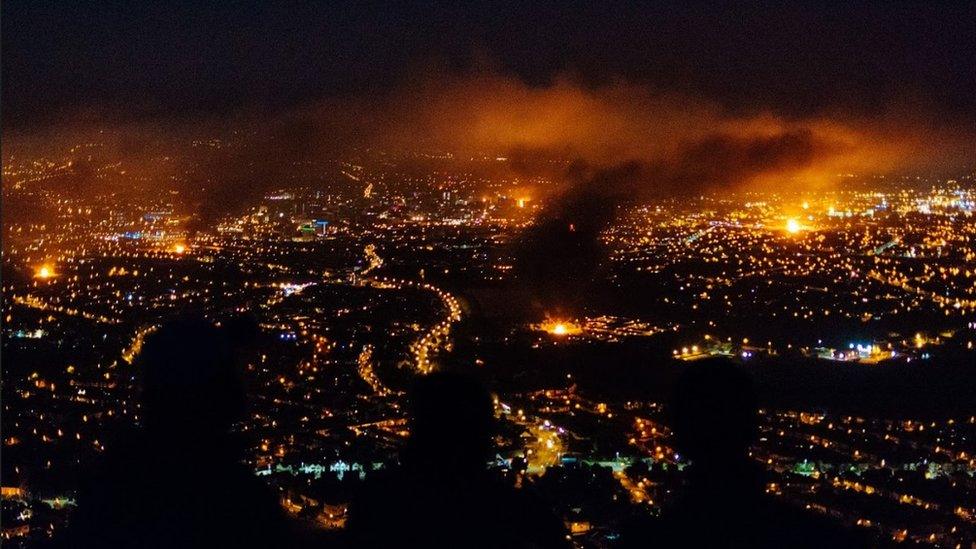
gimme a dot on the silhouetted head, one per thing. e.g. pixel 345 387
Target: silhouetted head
pixel 713 412
pixel 451 422
pixel 190 382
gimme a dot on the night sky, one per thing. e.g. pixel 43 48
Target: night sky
pixel 135 58
pixel 875 68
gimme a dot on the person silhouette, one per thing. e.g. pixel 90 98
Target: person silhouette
pixel 713 415
pixel 442 494
pixel 177 479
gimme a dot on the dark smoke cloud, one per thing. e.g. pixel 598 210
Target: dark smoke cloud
pixel 678 139
pixel 724 161
pixel 633 142
pixel 560 256
pixel 284 153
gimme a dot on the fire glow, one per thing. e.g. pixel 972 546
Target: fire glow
pixel 44 272
pixel 560 328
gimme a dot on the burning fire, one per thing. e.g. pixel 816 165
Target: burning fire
pixel 44 272
pixel 179 248
pixel 560 327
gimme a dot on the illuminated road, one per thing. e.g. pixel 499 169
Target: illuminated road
pixel 435 338
pixel 39 304
pixel 368 373
pixel 635 489
pixel 544 444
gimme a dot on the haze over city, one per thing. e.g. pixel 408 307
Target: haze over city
pixel 575 210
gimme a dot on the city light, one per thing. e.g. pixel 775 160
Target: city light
pixel 508 302
pixel 127 273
